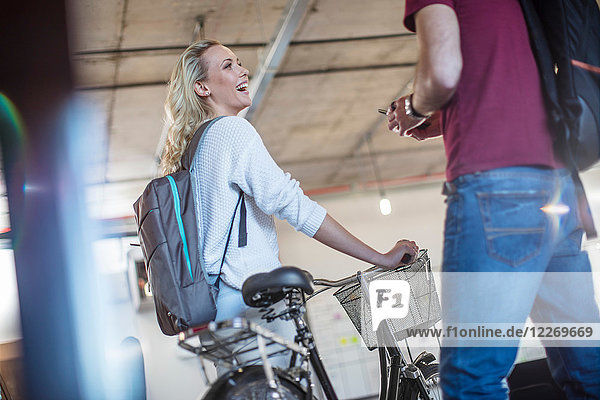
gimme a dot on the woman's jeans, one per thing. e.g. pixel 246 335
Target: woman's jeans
pixel 230 304
pixel 515 222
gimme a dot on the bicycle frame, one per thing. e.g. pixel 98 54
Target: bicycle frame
pixel 305 338
pixel 402 375
pixel 400 378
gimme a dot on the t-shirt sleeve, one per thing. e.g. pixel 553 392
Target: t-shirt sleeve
pixel 274 192
pixel 414 6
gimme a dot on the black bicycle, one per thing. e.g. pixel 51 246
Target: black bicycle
pixel 255 378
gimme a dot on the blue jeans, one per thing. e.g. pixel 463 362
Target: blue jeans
pixel 516 219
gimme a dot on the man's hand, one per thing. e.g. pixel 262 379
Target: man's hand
pixel 429 129
pixel 399 118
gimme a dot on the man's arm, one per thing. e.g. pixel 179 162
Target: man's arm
pixel 440 59
pixel 438 70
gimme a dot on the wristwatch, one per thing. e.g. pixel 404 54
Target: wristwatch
pixel 410 111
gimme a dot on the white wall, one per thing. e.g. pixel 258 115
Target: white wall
pixel 10 326
pixel 417 214
pixel 170 372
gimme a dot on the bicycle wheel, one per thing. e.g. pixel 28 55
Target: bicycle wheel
pixel 250 383
pixel 431 373
pixel 409 388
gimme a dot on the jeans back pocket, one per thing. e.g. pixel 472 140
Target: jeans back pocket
pixel 514 224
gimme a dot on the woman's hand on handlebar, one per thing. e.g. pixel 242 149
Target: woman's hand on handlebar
pixel 404 252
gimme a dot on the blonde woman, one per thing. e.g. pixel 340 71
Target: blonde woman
pixel 209 81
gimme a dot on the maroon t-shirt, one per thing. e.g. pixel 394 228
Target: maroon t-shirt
pixel 496 117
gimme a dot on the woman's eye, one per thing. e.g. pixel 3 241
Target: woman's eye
pixel 228 65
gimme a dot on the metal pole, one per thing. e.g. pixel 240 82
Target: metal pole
pixel 276 49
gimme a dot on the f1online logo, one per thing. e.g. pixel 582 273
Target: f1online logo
pixel 388 299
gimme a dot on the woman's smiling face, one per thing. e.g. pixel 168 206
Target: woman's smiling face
pixel 226 87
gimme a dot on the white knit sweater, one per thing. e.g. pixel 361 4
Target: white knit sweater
pixel 231 156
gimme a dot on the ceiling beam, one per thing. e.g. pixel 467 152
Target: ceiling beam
pixel 274 54
pixel 344 69
pixel 333 70
pixel 179 48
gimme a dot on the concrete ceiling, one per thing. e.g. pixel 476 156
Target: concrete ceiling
pixel 346 59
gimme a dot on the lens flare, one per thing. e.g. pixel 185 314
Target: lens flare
pixel 12 128
pixel 9 114
pixel 556 209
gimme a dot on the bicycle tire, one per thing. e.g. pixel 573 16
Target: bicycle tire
pixel 431 374
pixel 250 383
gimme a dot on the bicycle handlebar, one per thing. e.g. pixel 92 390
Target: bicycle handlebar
pixel 355 278
pixel 347 280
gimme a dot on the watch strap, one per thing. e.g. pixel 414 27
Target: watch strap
pixel 410 111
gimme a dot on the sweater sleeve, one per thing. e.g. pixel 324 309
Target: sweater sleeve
pixel 257 174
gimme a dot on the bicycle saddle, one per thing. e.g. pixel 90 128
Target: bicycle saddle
pixel 265 289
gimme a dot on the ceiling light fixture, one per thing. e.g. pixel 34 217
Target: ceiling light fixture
pixel 385 206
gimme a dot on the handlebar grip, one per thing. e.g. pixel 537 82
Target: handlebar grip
pixel 407 258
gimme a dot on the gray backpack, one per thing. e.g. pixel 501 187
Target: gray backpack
pixel 168 235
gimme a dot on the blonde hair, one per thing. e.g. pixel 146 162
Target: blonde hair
pixel 184 109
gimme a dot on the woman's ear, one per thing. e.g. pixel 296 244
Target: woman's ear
pixel 200 89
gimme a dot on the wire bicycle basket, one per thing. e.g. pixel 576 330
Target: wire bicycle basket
pixel 424 308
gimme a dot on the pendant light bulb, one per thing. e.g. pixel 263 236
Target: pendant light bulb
pixel 385 206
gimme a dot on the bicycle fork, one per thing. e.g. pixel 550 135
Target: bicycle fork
pixel 403 378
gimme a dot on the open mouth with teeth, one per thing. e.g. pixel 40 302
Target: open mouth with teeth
pixel 242 87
